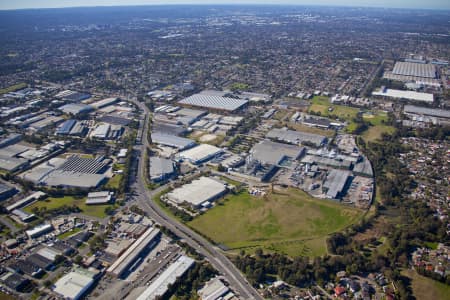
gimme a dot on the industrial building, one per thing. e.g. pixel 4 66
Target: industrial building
pixel 65 127
pixel 363 168
pixel 39 230
pixel 45 123
pixel 12 164
pixel 74 171
pixel 200 153
pixel 212 102
pixel 103 197
pixel 214 289
pixel 172 141
pixel 327 161
pixel 160 168
pixel 101 131
pixel 72 96
pixel 414 69
pixel 408 95
pixel 75 284
pixel 273 153
pixel 76 109
pixel 104 102
pixel 296 137
pixel 6 191
pixel 160 286
pixel 12 138
pixel 167 129
pixel 412 110
pixel 120 267
pixel 199 193
pixel 25 201
pixel 335 183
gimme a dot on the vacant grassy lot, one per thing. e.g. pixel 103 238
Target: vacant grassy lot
pixel 322 105
pixel 375 132
pixel 425 288
pixel 13 88
pixel 346 113
pixel 114 182
pixel 289 222
pixel 54 203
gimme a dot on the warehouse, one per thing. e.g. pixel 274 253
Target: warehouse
pixel 123 263
pixel 213 102
pixel 414 69
pixel 326 161
pixel 6 191
pixel 160 286
pixel 168 129
pixel 66 127
pixel 160 169
pixel 273 153
pixel 68 179
pixel 213 290
pixel 200 154
pixel 172 141
pixel 76 109
pixel 73 96
pixel 88 165
pixel 296 137
pixel 12 164
pixel 105 102
pixel 45 123
pixel 363 168
pixel 103 197
pixel 10 139
pixel 199 193
pixel 25 201
pixel 335 184
pixel 408 95
pixel 75 284
pixel 101 131
pixel 39 230
pixel 424 111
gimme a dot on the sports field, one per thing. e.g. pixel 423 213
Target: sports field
pixel 289 221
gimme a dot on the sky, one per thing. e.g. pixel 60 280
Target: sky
pixel 429 4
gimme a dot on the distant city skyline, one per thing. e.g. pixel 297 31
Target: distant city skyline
pixel 415 4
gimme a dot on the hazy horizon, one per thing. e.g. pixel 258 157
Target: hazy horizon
pixel 412 4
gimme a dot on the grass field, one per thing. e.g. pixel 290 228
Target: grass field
pixel 54 203
pixel 322 104
pixel 114 182
pixel 375 132
pixel 290 222
pixel 425 288
pixel 13 88
pixel 346 113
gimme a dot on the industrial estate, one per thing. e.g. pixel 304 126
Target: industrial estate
pixel 232 180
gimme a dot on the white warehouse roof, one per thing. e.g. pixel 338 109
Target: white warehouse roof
pixel 201 153
pixel 168 277
pixel 197 192
pixel 214 102
pixel 410 95
pixel 74 284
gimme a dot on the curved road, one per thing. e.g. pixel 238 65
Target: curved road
pixel 217 259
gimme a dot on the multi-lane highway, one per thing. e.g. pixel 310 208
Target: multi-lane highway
pixel 214 255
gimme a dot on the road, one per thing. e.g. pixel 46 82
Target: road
pixel 214 255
